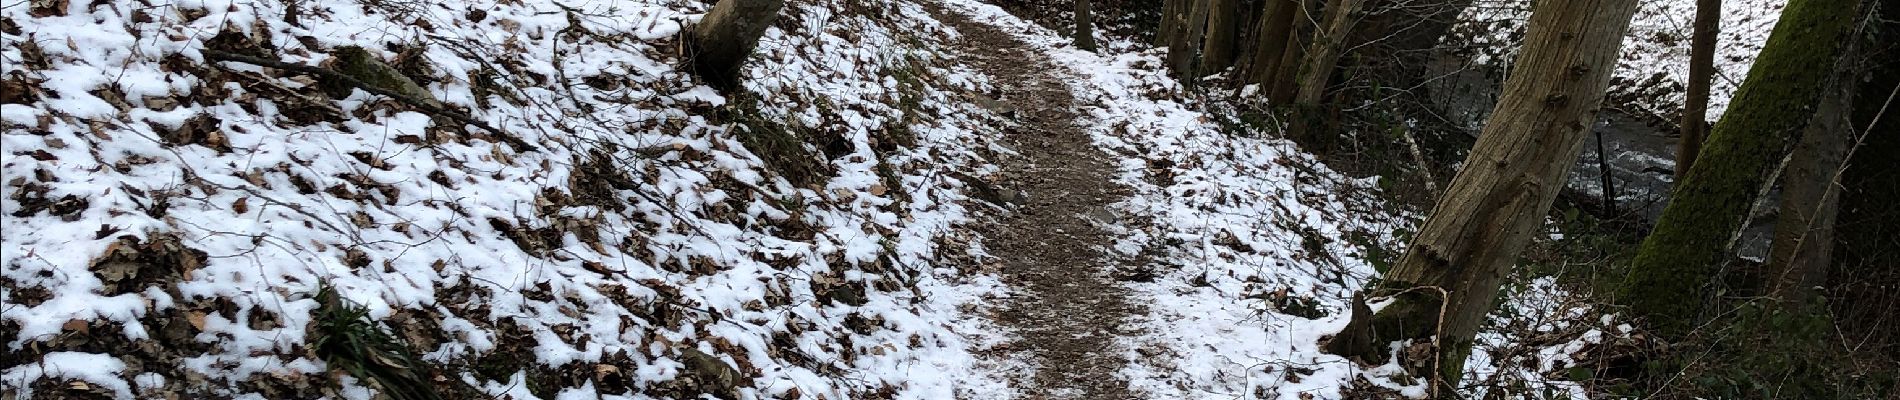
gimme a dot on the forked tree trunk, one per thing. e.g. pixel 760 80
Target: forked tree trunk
pixel 1276 26
pixel 1670 275
pixel 1695 109
pixel 726 36
pixel 1084 26
pixel 1503 193
pixel 1316 70
pixel 1810 195
pixel 1217 48
pixel 1184 47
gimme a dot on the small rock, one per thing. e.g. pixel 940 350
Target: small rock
pixel 996 105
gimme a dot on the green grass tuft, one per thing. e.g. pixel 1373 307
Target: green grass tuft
pixel 348 340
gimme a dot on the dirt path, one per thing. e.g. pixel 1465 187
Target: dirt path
pixel 1066 308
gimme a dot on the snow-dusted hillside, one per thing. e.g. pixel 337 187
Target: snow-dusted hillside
pixel 169 219
pixel 608 228
pixel 1252 249
pixel 1655 62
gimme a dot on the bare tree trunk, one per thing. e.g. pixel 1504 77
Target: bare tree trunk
pixel 1164 32
pixel 1671 273
pixel 1810 195
pixel 1695 109
pixel 726 36
pixel 1504 192
pixel 1276 27
pixel 1217 49
pixel 1246 30
pixel 1084 26
pixel 1184 48
pixel 1316 70
pixel 1285 76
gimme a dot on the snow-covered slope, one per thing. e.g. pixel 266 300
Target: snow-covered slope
pixel 1655 62
pixel 169 220
pixel 1252 246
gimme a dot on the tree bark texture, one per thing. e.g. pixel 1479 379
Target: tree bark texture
pixel 1316 70
pixel 1803 245
pixel 1287 72
pixel 1217 48
pixel 1185 49
pixel 1276 27
pixel 726 36
pixel 1670 275
pixel 1695 109
pixel 1084 26
pixel 1164 32
pixel 1502 195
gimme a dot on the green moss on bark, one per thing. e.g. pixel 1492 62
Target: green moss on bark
pixel 1672 271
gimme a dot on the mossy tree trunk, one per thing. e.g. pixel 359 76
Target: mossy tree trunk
pixel 359 63
pixel 1084 26
pixel 1217 48
pixel 1502 195
pixel 1670 276
pixel 726 36
pixel 1695 108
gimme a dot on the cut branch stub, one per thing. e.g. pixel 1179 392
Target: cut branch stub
pixel 726 36
pixel 367 68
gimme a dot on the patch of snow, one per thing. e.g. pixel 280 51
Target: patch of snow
pixel 547 253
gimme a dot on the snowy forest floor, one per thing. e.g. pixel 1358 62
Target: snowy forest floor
pixel 908 200
pixel 1053 246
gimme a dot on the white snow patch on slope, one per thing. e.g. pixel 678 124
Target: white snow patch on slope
pixel 639 227
pixel 1654 64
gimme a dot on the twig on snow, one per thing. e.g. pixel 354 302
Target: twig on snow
pixel 412 101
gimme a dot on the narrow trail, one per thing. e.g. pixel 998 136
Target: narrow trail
pixel 1067 310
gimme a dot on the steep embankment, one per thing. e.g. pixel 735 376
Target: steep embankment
pixel 170 219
